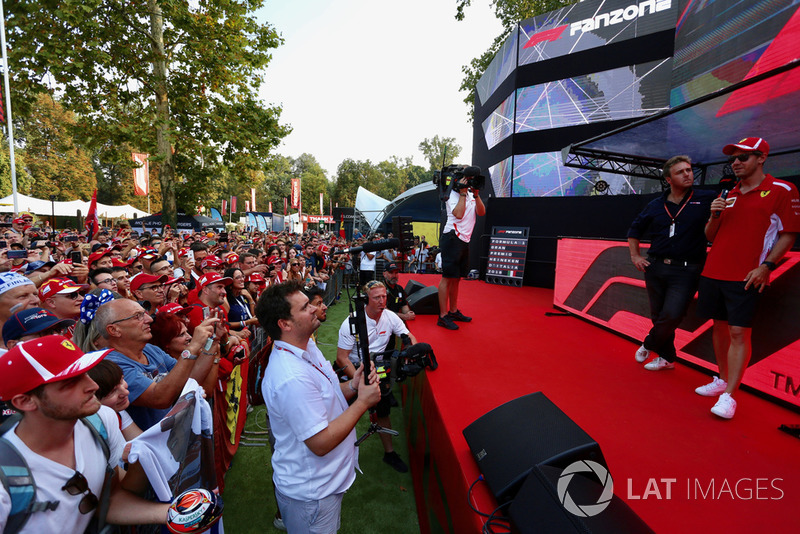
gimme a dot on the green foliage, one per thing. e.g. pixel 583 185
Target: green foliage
pixel 24 181
pixel 509 13
pixel 168 78
pixel 439 152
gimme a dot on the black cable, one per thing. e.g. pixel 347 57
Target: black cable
pixel 491 521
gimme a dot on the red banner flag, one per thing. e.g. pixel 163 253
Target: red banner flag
pixel 341 228
pixel 92 223
pixel 141 175
pixel 246 205
pixel 253 198
pixel 295 193
pixel 233 204
pixel 285 206
pixel 270 206
pixel 224 205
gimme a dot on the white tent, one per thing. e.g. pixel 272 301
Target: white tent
pixel 40 206
pixel 370 205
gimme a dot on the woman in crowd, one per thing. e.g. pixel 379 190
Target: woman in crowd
pixel 297 270
pixel 113 392
pixel 240 304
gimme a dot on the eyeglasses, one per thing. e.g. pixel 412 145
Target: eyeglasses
pixel 158 287
pixel 742 157
pixel 78 485
pixel 139 316
pixel 106 281
pixel 70 296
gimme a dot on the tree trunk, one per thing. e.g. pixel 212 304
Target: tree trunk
pixel 166 169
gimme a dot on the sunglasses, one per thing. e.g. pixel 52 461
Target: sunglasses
pixel 157 287
pixel 742 157
pixel 78 485
pixel 70 296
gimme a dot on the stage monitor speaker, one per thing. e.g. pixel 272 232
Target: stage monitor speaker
pixel 509 441
pixel 542 506
pixel 425 301
pixel 413 286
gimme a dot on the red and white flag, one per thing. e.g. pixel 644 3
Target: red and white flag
pixel 295 193
pixel 270 206
pixel 92 223
pixel 320 204
pixel 141 175
pixel 253 198
pixel 246 205
pixel 341 227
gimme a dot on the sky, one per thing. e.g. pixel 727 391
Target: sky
pixel 370 79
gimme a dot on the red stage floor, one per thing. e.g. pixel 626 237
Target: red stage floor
pixel 678 466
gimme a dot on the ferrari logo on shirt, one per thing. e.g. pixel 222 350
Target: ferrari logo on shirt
pixel 764 193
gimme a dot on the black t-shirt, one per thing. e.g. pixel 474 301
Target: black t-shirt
pixel 395 298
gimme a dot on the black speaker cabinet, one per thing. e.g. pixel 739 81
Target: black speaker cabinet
pixel 413 286
pixel 511 440
pixel 424 301
pixel 539 506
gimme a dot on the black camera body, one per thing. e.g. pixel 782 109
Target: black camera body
pixel 448 179
pixel 397 365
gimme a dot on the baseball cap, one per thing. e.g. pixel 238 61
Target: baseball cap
pixel 116 262
pixel 258 278
pixel 752 144
pixel 230 259
pixel 95 256
pixel 173 307
pixel 32 321
pixel 212 278
pixel 210 261
pixel 43 361
pixel 18 220
pixel 62 286
pixel 392 267
pixel 98 246
pixel 143 278
pixel 34 265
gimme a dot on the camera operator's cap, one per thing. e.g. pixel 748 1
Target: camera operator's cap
pixel 32 321
pixel 173 307
pixel 210 261
pixel 42 361
pixel 35 265
pixel 257 278
pixel 392 267
pixel 213 278
pixel 96 256
pixel 60 286
pixel 10 280
pixel 143 278
pixel 751 144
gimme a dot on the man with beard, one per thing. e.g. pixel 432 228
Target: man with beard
pixel 395 294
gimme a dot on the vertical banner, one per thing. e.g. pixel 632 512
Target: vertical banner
pixel 92 224
pixel 330 207
pixel 253 198
pixel 341 227
pixel 246 205
pixel 295 193
pixel 141 176
pixel 224 205
pixel 320 204
pixel 233 205
pixel 270 206
pixel 285 206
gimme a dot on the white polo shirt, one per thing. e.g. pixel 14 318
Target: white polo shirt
pixel 465 224
pixel 378 333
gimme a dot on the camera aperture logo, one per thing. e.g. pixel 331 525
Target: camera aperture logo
pixel 585 466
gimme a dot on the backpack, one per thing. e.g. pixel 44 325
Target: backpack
pixel 18 480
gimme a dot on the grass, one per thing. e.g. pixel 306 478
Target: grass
pixel 381 500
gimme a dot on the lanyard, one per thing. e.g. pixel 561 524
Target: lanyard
pixel 309 362
pixel 673 219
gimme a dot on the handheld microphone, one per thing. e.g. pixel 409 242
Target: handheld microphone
pixel 374 246
pixel 723 196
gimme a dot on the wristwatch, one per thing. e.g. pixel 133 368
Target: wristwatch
pixel 186 355
pixel 770 265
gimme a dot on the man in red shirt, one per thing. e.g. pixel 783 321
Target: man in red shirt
pixel 751 230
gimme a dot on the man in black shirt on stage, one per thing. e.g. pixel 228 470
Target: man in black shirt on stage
pixel 676 222
pixel 396 295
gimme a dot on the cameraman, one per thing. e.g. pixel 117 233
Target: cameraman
pixel 381 325
pixel 463 205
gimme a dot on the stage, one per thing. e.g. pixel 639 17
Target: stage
pixel 675 464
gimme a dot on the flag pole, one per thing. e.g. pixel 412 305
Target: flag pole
pixel 9 123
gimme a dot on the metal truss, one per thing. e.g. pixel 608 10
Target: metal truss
pixel 596 160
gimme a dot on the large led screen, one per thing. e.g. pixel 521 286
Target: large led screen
pixel 586 25
pixel 501 66
pixel 614 94
pixel 500 124
pixel 500 174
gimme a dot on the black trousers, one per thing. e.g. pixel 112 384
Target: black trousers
pixel 670 289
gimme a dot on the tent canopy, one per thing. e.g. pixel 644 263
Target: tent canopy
pixel 41 206
pixel 766 105
pixel 370 205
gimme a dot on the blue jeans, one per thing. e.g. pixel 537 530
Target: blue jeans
pixel 312 517
pixel 670 289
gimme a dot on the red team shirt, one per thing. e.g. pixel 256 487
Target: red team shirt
pixel 749 227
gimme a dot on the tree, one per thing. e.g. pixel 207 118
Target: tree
pixel 352 174
pixel 509 12
pixel 24 181
pixel 312 182
pixel 56 163
pixel 178 80
pixel 439 152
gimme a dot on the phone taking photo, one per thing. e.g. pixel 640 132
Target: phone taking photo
pixel 76 257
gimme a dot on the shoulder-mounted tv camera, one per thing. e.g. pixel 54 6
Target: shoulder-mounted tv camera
pixel 449 178
pixel 397 365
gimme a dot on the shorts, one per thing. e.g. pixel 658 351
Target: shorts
pixel 726 300
pixel 314 517
pixel 455 256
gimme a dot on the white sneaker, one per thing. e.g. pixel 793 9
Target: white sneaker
pixel 642 354
pixel 725 406
pixel 716 387
pixel 659 364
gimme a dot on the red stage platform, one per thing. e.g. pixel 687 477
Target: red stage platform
pixel 678 466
